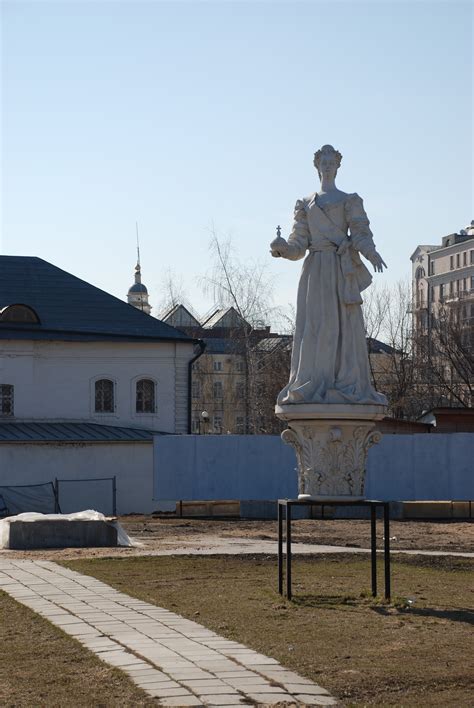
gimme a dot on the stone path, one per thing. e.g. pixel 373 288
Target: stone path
pixel 213 545
pixel 175 660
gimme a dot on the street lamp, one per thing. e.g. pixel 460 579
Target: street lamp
pixel 204 421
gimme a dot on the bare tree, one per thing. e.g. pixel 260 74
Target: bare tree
pixel 419 363
pixel 389 329
pixel 173 292
pixel 446 354
pixel 247 287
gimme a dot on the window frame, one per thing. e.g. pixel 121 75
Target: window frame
pixel 4 396
pixel 97 380
pixel 137 381
pixel 217 385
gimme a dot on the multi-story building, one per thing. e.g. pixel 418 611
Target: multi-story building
pixel 235 382
pixel 444 274
pixel 443 317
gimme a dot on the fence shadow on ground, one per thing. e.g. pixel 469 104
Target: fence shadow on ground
pixel 329 602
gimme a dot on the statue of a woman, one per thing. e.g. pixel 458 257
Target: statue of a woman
pixel 329 362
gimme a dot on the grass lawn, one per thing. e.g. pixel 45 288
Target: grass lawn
pixel 42 666
pixel 365 652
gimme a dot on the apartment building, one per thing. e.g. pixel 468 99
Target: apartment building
pixel 443 319
pixel 443 275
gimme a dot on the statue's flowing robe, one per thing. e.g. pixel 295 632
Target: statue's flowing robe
pixel 329 362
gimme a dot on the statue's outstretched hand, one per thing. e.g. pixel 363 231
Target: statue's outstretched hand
pixel 278 247
pixel 377 261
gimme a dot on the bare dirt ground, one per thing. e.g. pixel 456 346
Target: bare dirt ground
pixel 157 534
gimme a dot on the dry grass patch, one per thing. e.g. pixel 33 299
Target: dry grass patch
pixel 42 666
pixel 363 651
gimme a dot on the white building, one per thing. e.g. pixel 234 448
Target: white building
pixel 85 382
pixel 444 273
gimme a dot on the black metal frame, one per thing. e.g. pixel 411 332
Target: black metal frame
pixel 287 504
pixel 89 479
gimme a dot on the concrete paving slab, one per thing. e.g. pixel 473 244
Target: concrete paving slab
pixel 168 692
pixel 271 698
pixel 174 659
pixel 308 689
pixel 181 701
pixel 222 699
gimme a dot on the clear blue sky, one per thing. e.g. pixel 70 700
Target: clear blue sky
pixel 186 114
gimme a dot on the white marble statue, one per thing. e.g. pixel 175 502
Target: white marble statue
pixel 329 362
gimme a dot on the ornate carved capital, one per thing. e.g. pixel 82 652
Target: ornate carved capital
pixel 331 458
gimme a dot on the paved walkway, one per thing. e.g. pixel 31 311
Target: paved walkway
pixel 177 661
pixel 212 545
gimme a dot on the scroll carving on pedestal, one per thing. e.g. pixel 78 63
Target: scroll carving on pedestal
pixel 332 463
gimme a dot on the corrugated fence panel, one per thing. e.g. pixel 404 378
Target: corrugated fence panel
pixel 259 467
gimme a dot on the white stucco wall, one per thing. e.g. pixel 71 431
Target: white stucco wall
pixel 55 380
pixel 131 463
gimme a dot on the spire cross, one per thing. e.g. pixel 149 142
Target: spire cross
pixel 278 231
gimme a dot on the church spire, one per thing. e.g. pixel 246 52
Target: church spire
pixel 138 294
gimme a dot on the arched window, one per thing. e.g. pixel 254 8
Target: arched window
pixel 104 396
pixel 6 399
pixel 145 400
pixel 21 314
pixel 420 273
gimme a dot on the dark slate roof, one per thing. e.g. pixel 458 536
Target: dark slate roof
pixel 221 345
pixel 215 320
pixel 378 347
pixel 70 309
pixel 270 344
pixel 72 432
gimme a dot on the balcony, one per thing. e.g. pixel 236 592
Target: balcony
pixel 462 295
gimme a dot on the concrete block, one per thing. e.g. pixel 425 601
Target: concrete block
pixel 61 534
pixel 259 509
pixel 427 510
pixel 207 508
pixel 226 508
pixel 256 509
pixel 462 509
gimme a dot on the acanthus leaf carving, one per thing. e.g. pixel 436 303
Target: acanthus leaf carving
pixel 331 462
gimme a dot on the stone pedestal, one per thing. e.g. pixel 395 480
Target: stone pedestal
pixel 331 444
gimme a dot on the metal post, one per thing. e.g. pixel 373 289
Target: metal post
pixel 288 550
pixel 56 496
pixel 386 530
pixel 373 547
pixel 280 548
pixel 114 496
